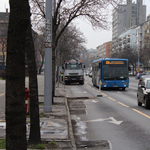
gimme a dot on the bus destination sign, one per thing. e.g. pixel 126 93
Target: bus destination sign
pixel 114 62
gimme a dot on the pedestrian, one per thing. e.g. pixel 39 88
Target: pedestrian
pixel 62 75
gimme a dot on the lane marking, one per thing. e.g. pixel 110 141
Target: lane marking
pixel 111 98
pixel 113 120
pixel 104 94
pixel 141 113
pixel 123 104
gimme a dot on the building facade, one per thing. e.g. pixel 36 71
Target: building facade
pixel 104 50
pixel 126 16
pixel 127 39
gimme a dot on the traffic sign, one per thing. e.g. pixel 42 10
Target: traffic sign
pixel 48 44
pixel 138 69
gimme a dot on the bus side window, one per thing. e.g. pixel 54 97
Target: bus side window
pixel 99 65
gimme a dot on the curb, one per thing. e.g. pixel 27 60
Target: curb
pixel 70 126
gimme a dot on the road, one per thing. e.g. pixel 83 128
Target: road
pixel 2 93
pixel 114 117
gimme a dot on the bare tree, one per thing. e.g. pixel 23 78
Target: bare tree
pixel 34 137
pixel 40 49
pixel 127 53
pixel 95 11
pixel 71 43
pixel 144 58
pixel 19 20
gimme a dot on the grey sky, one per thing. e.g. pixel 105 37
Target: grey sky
pixel 93 38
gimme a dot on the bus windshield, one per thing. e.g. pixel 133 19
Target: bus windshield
pixel 116 70
pixel 73 66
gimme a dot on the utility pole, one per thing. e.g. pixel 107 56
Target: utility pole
pixel 48 59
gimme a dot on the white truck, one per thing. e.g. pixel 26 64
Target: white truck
pixel 73 72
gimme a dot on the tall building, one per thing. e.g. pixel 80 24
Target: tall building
pixel 126 16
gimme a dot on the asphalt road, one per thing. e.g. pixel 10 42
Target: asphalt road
pixel 114 117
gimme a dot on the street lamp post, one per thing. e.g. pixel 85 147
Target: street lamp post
pixel 48 59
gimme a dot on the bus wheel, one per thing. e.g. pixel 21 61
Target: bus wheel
pixel 147 104
pixel 81 82
pixel 123 88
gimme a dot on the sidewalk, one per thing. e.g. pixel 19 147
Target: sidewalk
pixel 56 125
pixel 59 128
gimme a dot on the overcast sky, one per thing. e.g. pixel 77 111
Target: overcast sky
pixel 93 38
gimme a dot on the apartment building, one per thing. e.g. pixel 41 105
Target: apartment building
pixel 104 50
pixel 127 39
pixel 126 16
pixel 146 33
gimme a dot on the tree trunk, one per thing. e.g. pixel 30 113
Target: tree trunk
pixel 34 137
pixel 41 65
pixel 53 60
pixel 15 76
pixel 53 74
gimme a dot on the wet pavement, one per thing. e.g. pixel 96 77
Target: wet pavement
pixel 54 126
pixel 62 125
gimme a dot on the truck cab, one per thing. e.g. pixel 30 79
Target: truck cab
pixel 73 72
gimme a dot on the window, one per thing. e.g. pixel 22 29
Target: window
pixel 134 12
pixel 134 8
pixel 142 83
pixel 148 84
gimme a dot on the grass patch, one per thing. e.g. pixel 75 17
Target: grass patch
pixel 2 144
pixel 39 146
pixel 41 103
pixel 28 116
pixel 52 143
pixel 44 145
pixel 40 115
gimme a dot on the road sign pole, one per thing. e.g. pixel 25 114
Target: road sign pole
pixel 48 59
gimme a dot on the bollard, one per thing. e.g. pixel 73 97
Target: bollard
pixel 100 93
pixel 26 98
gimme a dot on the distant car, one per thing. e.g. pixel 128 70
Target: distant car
pixel 143 92
pixel 138 76
pixel 87 73
pixel 147 72
pixel 90 74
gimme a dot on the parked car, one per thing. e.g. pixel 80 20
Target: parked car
pixel 147 72
pixel 87 74
pixel 143 92
pixel 138 76
pixel 90 74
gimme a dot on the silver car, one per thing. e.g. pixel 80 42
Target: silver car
pixel 143 92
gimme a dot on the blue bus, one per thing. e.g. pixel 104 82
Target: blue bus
pixel 110 73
